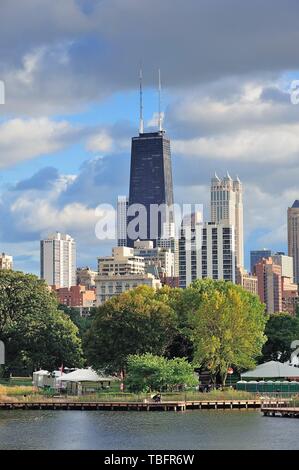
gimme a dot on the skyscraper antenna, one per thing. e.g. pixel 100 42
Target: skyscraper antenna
pixel 141 126
pixel 160 113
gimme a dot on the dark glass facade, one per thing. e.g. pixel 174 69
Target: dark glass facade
pixel 256 256
pixel 151 178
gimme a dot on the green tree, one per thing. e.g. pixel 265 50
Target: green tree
pixel 35 333
pixel 148 372
pixel 82 322
pixel 135 322
pixel 226 326
pixel 20 295
pixel 281 330
pixel 181 373
pixel 180 301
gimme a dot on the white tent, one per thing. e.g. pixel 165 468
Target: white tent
pixel 44 378
pixel 272 369
pixel 40 377
pixel 41 372
pixel 85 375
pixel 84 381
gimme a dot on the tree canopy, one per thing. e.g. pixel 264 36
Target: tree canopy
pixel 281 330
pixel 83 323
pixel 148 372
pixel 34 332
pixel 226 326
pixel 215 324
pixel 135 322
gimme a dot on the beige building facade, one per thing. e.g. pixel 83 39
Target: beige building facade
pixel 248 281
pixel 121 272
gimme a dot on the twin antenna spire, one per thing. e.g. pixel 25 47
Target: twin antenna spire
pixel 160 119
pixel 141 126
pixel 160 113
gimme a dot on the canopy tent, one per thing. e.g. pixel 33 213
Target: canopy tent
pixel 44 378
pixel 272 369
pixel 85 375
pixel 41 372
pixel 83 381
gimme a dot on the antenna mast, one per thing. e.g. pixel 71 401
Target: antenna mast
pixel 160 113
pixel 141 126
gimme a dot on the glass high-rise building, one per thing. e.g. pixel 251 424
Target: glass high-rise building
pixel 256 256
pixel 151 185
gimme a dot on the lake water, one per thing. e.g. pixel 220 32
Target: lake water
pixel 142 430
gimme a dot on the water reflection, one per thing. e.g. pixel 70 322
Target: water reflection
pixel 141 430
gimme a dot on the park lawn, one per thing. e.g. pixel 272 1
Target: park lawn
pixel 32 394
pixel 16 381
pixel 168 396
pixel 17 390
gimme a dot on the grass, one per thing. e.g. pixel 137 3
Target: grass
pixel 17 390
pixel 29 393
pixel 174 396
pixel 16 381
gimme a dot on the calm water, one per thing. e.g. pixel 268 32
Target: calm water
pixel 138 430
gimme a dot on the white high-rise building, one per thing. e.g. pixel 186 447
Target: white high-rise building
pixel 170 241
pixel 206 250
pixel 6 261
pixel 58 260
pixel 286 264
pixel 227 208
pixel 122 208
pixel 293 237
pixel 218 252
pixel 190 245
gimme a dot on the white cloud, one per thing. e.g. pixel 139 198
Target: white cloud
pixel 230 112
pixel 30 64
pixel 23 139
pixel 269 144
pixel 154 120
pixel 255 122
pixel 100 48
pixel 43 216
pixel 101 142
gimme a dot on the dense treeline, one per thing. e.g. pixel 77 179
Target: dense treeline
pixel 214 325
pixel 35 333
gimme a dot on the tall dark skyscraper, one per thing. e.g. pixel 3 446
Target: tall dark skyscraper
pixel 151 173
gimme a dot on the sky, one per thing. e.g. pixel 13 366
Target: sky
pixel 70 71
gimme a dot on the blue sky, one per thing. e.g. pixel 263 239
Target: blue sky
pixel 72 107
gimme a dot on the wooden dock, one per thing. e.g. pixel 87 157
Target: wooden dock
pixel 280 411
pixel 136 406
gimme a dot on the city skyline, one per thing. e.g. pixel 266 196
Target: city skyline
pixel 65 136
